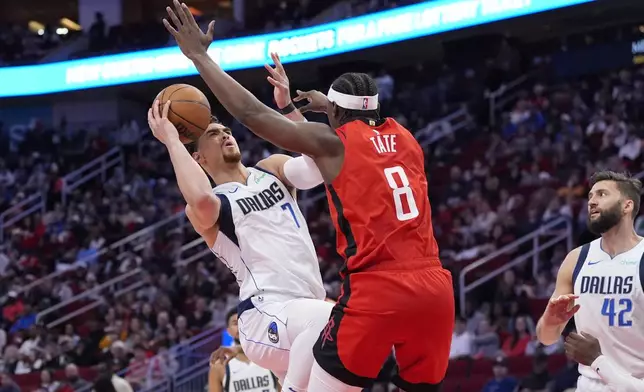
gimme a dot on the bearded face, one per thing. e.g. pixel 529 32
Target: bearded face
pixel 607 207
pixel 601 220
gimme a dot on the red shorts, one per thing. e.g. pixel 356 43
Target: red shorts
pixel 411 312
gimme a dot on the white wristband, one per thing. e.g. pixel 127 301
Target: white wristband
pixel 616 378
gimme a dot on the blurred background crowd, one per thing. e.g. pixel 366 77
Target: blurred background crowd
pixel 101 275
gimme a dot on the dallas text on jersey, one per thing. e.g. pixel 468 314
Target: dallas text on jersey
pixel 252 383
pixel 261 201
pixel 606 284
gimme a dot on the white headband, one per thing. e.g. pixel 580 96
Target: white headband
pixel 353 102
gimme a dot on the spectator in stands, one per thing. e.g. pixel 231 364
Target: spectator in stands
pixel 138 368
pixel 97 33
pixel 163 364
pixel 538 380
pixel 108 381
pixel 200 317
pixel 47 383
pixel 566 379
pixel 181 330
pixel 118 358
pixel 486 341
pixel 501 382
pixel 74 379
pixel 10 359
pixel 461 341
pixel 7 384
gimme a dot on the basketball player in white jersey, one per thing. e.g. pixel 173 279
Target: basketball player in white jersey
pixel 600 284
pixel 239 374
pixel 252 223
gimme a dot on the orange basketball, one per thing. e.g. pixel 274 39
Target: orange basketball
pixel 189 110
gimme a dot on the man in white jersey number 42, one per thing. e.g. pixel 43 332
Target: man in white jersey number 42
pixel 601 285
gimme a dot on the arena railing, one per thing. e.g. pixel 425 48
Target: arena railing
pixel 500 98
pixel 135 241
pixel 92 298
pixel 555 232
pixel 436 130
pixel 194 378
pixel 37 202
pixel 95 168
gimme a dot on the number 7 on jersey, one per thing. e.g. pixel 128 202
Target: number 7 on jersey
pixel 403 214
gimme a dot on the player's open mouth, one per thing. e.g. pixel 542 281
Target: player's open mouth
pixel 229 144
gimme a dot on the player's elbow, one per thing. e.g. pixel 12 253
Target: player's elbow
pixel 204 210
pixel 206 204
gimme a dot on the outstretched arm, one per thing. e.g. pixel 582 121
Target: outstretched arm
pixel 313 139
pixel 193 182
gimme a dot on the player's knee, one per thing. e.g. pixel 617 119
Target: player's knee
pixel 301 361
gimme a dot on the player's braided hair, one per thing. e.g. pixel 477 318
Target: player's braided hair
pixel 358 84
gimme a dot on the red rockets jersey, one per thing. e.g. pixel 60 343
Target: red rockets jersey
pixel 379 202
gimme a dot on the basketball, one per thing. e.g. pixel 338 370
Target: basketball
pixel 189 110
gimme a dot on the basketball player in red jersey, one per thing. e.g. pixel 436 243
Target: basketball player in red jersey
pixel 395 292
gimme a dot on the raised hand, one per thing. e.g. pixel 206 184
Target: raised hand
pixel 158 121
pixel 279 80
pixel 224 355
pixel 318 102
pixel 560 309
pixel 192 41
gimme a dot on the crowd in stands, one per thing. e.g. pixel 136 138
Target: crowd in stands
pixel 489 186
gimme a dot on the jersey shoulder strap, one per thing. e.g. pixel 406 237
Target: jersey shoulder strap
pixel 583 254
pixel 227 382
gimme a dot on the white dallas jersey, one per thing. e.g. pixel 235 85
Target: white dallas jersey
pixel 248 377
pixel 611 302
pixel 264 240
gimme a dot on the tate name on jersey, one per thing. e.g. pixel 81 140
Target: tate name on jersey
pixel 383 143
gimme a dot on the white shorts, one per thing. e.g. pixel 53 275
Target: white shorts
pixel 269 323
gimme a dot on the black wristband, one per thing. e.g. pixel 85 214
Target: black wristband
pixel 290 108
